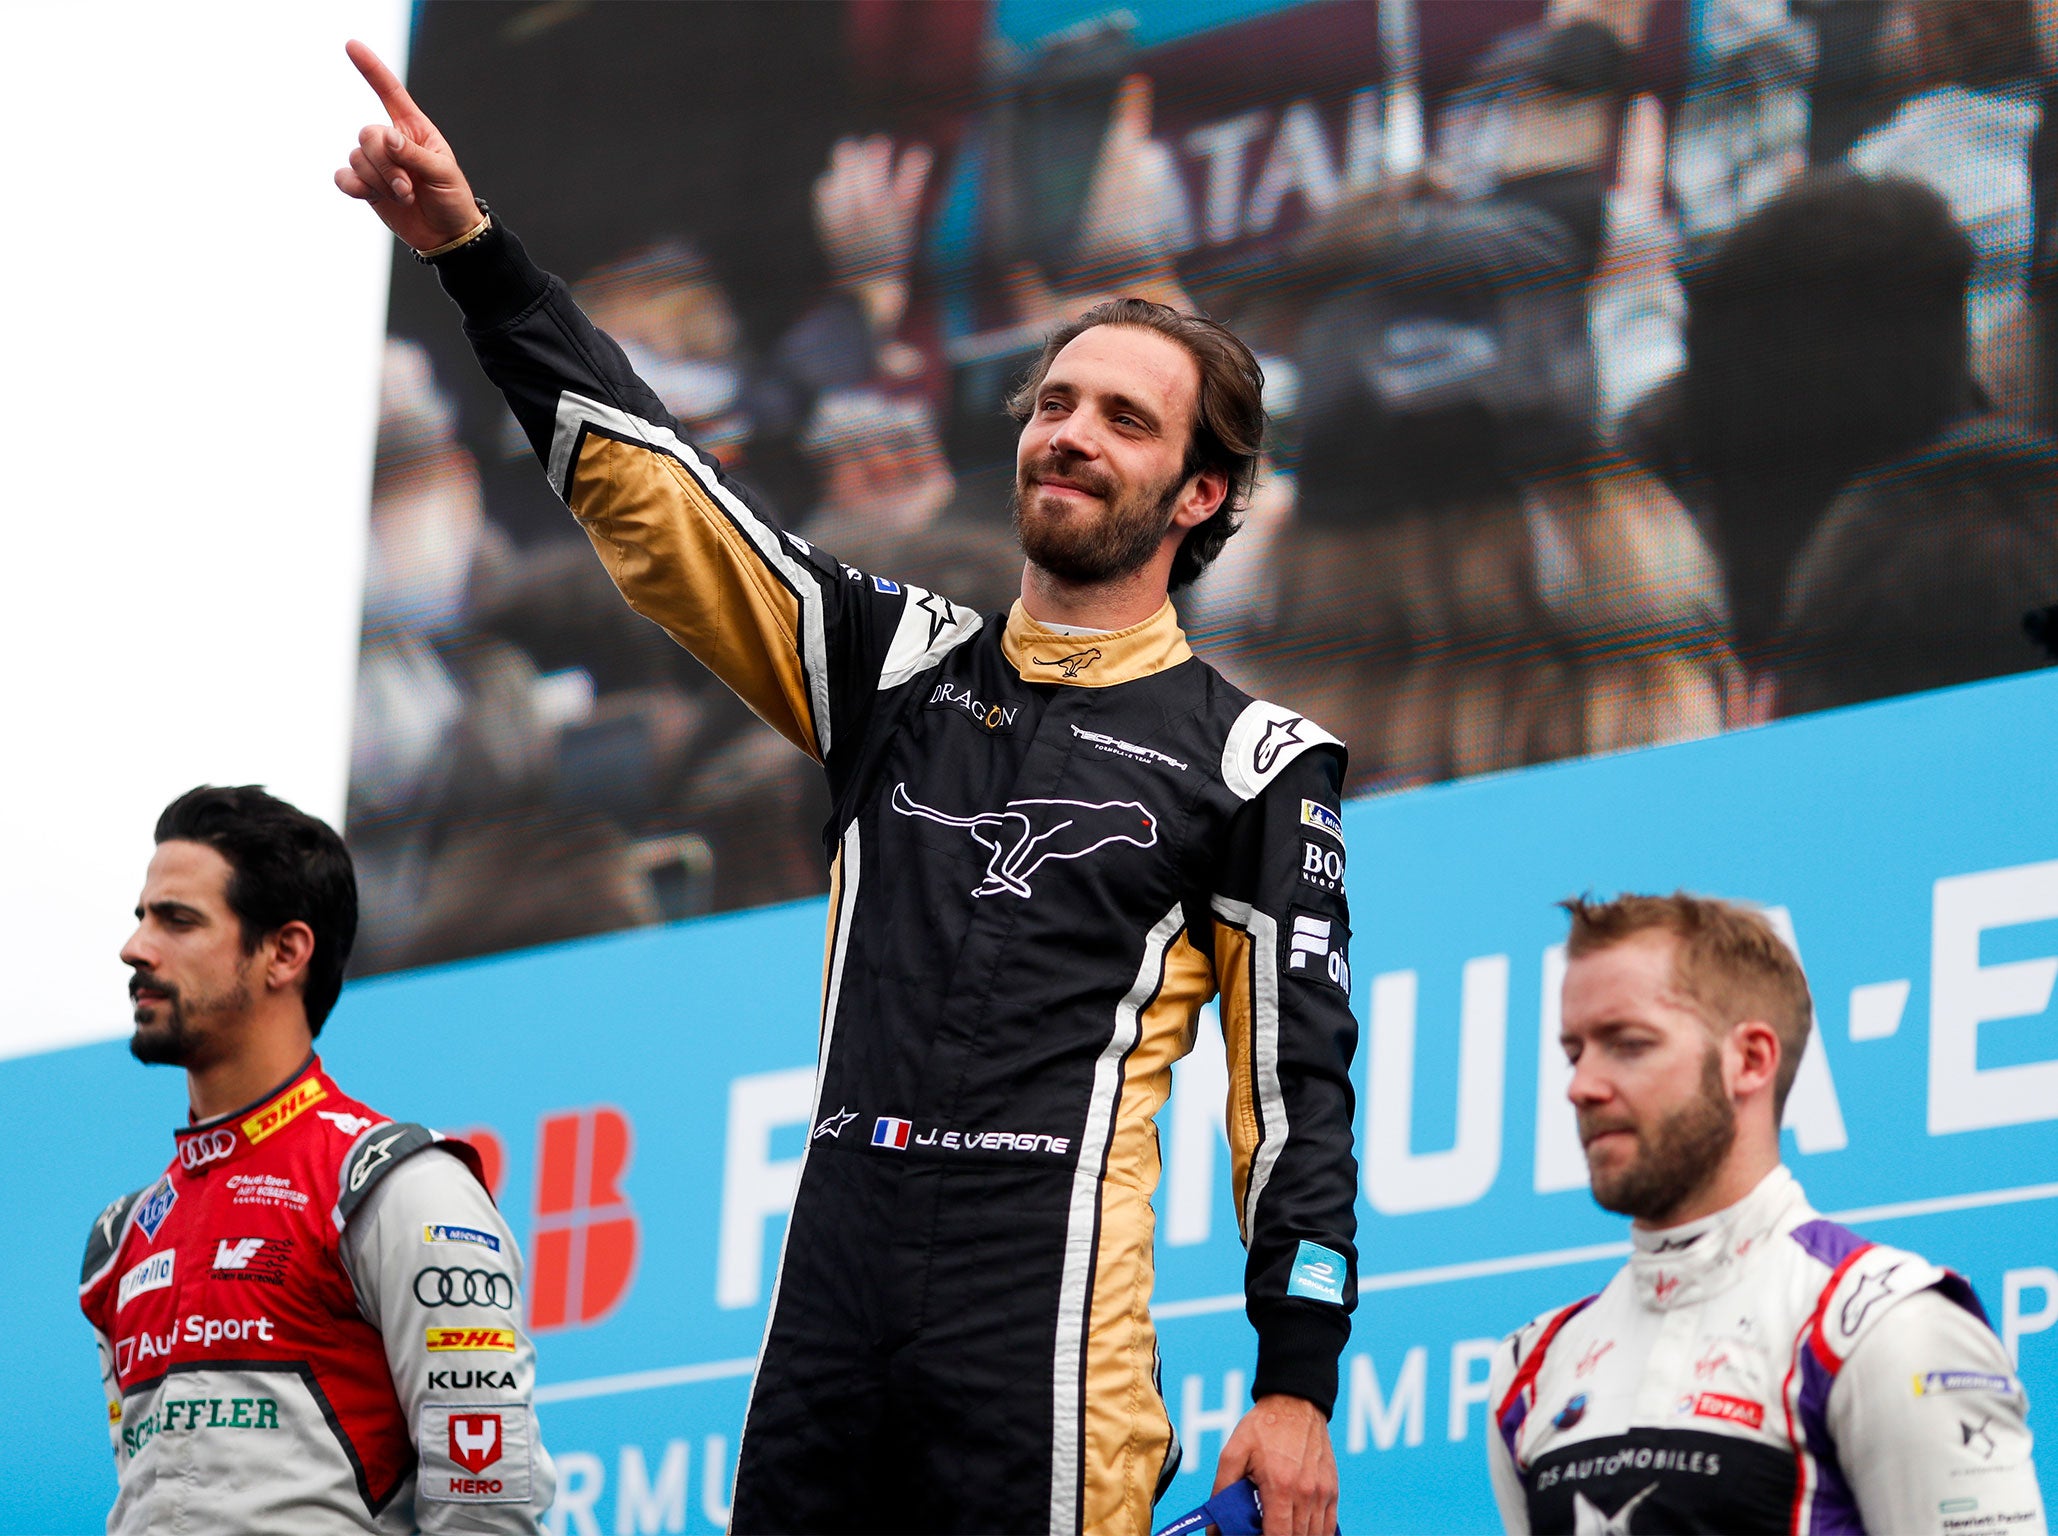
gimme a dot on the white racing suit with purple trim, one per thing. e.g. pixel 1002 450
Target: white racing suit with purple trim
pixel 1764 1369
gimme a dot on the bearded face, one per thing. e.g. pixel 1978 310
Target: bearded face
pixel 1672 1156
pixel 1081 524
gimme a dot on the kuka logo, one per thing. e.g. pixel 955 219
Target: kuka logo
pixel 583 1254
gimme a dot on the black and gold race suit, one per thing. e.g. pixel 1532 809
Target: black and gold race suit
pixel 1049 852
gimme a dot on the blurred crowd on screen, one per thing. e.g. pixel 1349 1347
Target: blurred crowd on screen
pixel 1630 380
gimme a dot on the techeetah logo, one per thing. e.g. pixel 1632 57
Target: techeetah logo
pixel 1073 664
pixel 1028 833
pixel 1279 735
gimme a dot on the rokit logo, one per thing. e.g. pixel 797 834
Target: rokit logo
pixel 204 1147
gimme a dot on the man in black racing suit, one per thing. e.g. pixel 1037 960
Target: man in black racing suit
pixel 1057 834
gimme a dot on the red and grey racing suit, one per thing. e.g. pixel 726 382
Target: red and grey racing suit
pixel 1764 1369
pixel 1049 851
pixel 311 1323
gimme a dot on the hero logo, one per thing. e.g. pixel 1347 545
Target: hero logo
pixel 1316 951
pixel 475 1440
pixel 1030 833
pixel 196 1152
pixel 236 1255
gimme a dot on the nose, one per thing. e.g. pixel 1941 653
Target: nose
pixel 1588 1086
pixel 137 953
pixel 1075 436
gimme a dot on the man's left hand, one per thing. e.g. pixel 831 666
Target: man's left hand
pixel 1282 1445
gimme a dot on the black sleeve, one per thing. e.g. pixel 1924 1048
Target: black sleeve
pixel 1282 947
pixel 807 642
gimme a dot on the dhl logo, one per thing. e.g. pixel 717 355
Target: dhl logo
pixel 442 1340
pixel 284 1110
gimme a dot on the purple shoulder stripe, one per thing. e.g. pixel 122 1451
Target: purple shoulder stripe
pixel 1826 1241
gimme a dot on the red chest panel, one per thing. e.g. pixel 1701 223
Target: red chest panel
pixel 233 1257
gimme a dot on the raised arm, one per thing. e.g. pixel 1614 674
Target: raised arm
pixel 806 642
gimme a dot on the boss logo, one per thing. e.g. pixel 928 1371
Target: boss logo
pixel 463 1288
pixel 196 1152
pixel 1321 866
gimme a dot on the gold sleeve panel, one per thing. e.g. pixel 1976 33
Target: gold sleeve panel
pixel 681 563
pixel 1239 976
pixel 1128 1432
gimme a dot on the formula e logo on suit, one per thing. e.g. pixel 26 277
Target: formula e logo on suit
pixel 463 1288
pixel 1027 834
pixel 196 1152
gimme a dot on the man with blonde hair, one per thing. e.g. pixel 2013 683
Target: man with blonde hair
pixel 1754 1367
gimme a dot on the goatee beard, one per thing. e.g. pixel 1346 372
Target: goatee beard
pixel 1120 542
pixel 1677 1158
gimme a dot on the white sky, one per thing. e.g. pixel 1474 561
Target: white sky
pixel 191 368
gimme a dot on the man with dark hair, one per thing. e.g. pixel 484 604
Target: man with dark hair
pixel 1057 834
pixel 1921 572
pixel 305 1267
pixel 1754 1367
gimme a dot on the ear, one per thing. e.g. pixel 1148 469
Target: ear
pixel 288 953
pixel 1201 499
pixel 1753 1056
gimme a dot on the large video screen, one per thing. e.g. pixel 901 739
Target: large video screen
pixel 1635 371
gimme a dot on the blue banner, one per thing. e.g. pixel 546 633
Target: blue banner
pixel 646 1098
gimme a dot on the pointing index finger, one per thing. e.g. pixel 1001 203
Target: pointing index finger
pixel 392 94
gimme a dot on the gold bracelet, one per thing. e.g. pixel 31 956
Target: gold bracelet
pixel 485 223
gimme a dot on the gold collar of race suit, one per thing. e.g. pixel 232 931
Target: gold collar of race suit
pixel 1094 661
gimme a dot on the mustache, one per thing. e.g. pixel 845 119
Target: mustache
pixel 1589 1128
pixel 1051 466
pixel 141 980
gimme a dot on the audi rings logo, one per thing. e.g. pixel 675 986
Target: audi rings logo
pixel 463 1288
pixel 211 1147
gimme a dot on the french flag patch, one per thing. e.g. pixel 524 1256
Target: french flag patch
pixel 889 1132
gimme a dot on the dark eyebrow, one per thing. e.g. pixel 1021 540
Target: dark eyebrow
pixel 1134 408
pixel 168 908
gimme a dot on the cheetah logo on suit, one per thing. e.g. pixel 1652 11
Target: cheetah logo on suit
pixel 1027 834
pixel 1073 664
